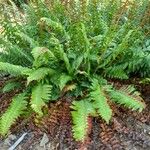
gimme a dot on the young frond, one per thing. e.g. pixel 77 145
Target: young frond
pixel 128 97
pixel 60 53
pixel 81 110
pixel 13 70
pixel 15 109
pixel 100 101
pixel 41 93
pixel 51 24
pixel 115 52
pixel 40 51
pixel 42 56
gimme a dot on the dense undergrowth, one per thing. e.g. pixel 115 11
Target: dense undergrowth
pixel 70 49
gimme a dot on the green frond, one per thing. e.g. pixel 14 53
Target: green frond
pixel 60 53
pixel 10 86
pixel 116 72
pixel 15 55
pixel 145 81
pixel 81 110
pixel 38 74
pixel 41 93
pixel 42 56
pixel 77 63
pixel 118 50
pixel 66 61
pixel 15 109
pixel 40 51
pixel 11 69
pixel 64 78
pixel 128 97
pixel 52 24
pixel 100 101
pixel 28 39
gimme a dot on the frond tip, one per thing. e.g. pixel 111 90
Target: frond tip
pixel 15 109
pixel 128 97
pixel 11 69
pixel 40 94
pixel 81 110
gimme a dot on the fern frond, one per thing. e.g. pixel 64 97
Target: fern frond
pixel 100 101
pixel 38 74
pixel 10 86
pixel 64 78
pixel 11 69
pixel 111 55
pixel 41 93
pixel 39 51
pixel 81 110
pixel 42 56
pixel 13 54
pixel 76 63
pixel 60 53
pixel 28 39
pixel 52 24
pixel 128 97
pixel 116 72
pixel 15 109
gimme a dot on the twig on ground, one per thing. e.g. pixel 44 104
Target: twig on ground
pixel 17 142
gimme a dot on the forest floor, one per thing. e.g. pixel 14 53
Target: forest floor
pixel 127 131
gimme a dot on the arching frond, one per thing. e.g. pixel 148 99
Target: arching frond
pixel 12 69
pixel 15 109
pixel 128 97
pixel 81 110
pixel 100 100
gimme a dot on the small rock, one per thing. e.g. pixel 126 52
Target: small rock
pixel 44 140
pixel 9 139
pixel 145 131
pixel 50 146
pixel 12 137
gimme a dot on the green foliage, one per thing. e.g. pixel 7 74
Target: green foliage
pixel 128 97
pixel 40 95
pixel 9 86
pixel 15 109
pixel 12 69
pixel 69 49
pixel 63 80
pixel 98 103
pixel 19 2
pixel 145 81
pixel 53 25
pixel 82 110
pixel 38 74
pixel 98 95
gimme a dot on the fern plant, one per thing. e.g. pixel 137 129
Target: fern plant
pixel 62 52
pixel 99 100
